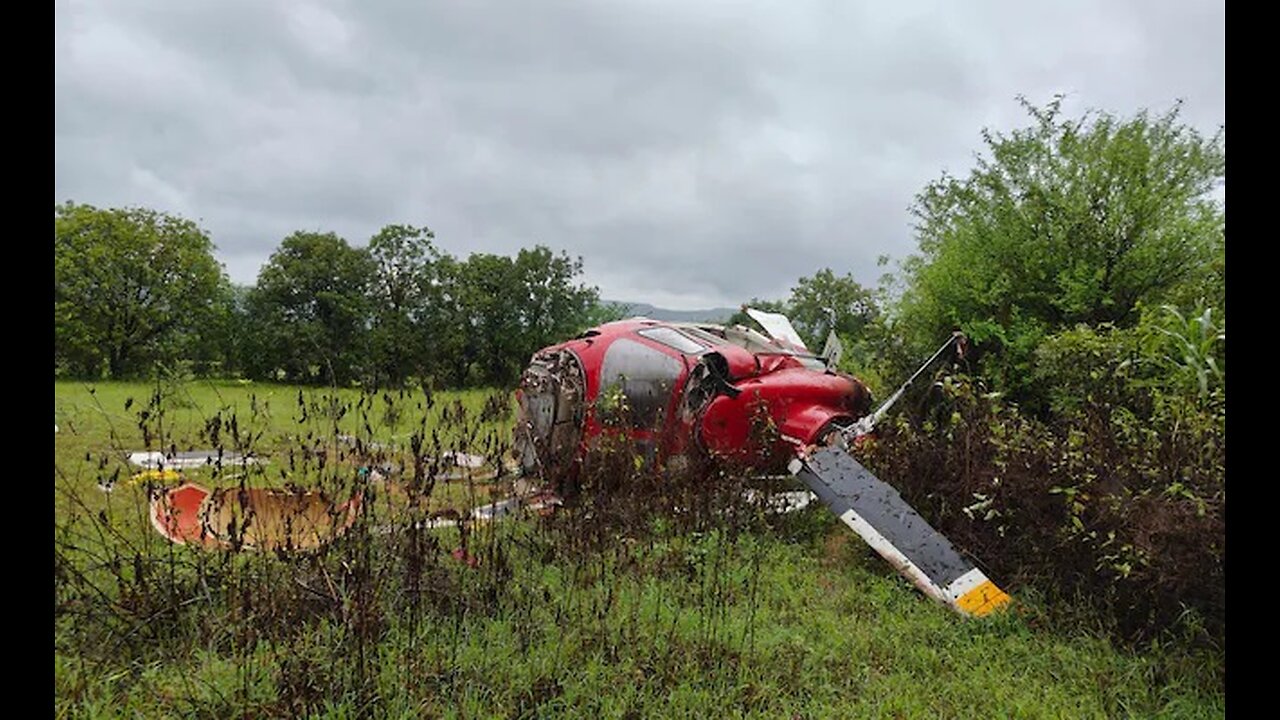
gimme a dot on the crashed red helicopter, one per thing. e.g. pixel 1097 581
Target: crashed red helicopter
pixel 689 392
pixel 693 389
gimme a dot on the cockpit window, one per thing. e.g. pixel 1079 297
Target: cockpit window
pixel 643 376
pixel 701 336
pixel 745 338
pixel 673 339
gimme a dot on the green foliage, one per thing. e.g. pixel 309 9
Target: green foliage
pixel 309 311
pixel 657 617
pixel 823 303
pixel 1088 367
pixel 1064 222
pixel 411 296
pixel 1167 355
pixel 1120 500
pixel 132 287
pixel 512 307
pixel 136 290
pixel 217 347
pixel 1190 349
pixel 401 310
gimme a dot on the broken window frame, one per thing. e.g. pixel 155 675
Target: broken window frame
pixel 670 336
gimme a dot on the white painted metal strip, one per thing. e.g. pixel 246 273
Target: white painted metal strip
pixel 965 583
pixel 890 553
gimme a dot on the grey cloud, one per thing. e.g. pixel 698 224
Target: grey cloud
pixel 691 153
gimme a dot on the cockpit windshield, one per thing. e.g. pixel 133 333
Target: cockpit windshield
pixel 748 339
pixel 674 339
pixel 743 337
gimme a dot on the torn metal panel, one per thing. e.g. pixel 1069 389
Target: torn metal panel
pixel 833 350
pixel 464 460
pixel 189 459
pixel 779 328
pixel 506 509
pixel 455 465
pixel 875 510
pixel 551 409
pixel 252 518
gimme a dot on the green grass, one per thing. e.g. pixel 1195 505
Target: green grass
pixel 788 618
pixel 101 423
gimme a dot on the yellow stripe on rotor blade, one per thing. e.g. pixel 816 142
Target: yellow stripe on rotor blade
pixel 982 600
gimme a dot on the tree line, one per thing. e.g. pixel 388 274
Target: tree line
pixel 137 290
pixel 1093 222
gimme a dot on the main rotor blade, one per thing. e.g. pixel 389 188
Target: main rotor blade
pixel 897 532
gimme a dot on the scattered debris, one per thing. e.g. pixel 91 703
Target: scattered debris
pixel 253 518
pixel 190 459
pixel 681 391
pixel 159 476
pixel 780 502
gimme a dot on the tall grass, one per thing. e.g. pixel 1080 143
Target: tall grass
pixel 663 595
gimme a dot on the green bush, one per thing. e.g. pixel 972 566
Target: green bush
pixel 1119 500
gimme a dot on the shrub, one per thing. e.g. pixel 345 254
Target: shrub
pixel 1122 509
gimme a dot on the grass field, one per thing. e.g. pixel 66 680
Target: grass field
pixel 767 617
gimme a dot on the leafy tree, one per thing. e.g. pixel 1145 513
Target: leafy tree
pixel 486 304
pixel 1065 222
pixel 216 346
pixel 511 307
pixel 552 305
pixel 413 312
pixel 309 311
pixel 132 287
pixel 824 302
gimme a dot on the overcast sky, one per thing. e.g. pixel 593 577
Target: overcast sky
pixel 693 153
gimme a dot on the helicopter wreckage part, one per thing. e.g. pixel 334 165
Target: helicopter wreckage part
pixel 550 413
pixel 779 328
pixel 254 518
pixel 878 514
pixel 450 465
pixel 456 465
pixel 867 424
pixel 193 459
pixel 161 476
pixel 504 509
pixel 175 513
pixel 780 502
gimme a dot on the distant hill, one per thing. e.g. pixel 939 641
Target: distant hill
pixel 714 315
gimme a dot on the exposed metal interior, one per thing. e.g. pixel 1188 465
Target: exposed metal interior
pixel 748 339
pixel 551 413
